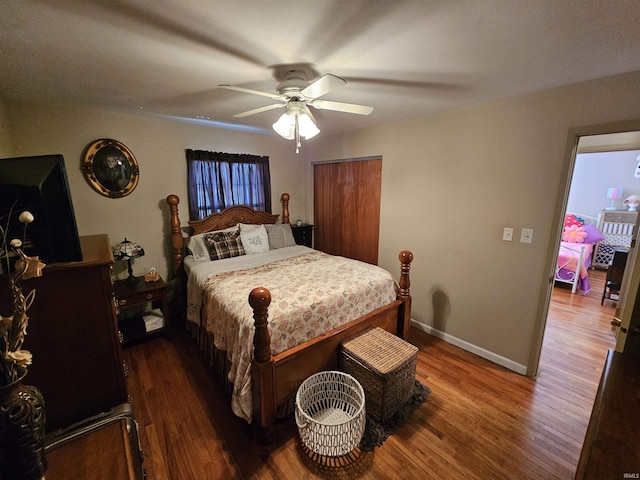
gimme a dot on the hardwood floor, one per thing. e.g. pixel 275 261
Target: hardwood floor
pixel 481 421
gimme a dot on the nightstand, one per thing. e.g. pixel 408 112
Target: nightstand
pixel 303 234
pixel 143 310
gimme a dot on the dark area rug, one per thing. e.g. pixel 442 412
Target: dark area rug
pixel 375 433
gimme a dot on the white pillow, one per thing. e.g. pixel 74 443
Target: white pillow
pixel 254 240
pixel 248 226
pixel 198 248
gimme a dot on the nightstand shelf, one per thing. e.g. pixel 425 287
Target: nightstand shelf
pixel 136 301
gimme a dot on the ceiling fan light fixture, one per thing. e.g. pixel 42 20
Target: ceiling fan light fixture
pixel 286 126
pixel 296 94
pixel 307 127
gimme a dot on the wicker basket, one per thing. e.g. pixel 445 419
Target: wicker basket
pixel 385 366
pixel 330 413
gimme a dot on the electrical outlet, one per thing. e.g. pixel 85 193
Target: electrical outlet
pixel 526 236
pixel 507 234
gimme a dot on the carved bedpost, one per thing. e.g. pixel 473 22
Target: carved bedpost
pixel 259 299
pixel 406 257
pixel 285 207
pixel 177 241
pixel 262 367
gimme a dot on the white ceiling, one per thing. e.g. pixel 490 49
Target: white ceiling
pixel 406 58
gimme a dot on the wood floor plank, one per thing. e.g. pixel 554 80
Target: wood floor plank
pixel 480 421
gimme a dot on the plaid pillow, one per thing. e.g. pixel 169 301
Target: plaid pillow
pixel 223 244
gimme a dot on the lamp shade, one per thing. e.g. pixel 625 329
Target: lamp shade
pixel 614 192
pixel 308 129
pixel 286 126
pixel 126 250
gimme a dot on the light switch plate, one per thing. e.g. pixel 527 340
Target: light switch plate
pixel 507 234
pixel 526 236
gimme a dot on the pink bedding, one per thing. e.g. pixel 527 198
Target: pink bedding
pixel 568 258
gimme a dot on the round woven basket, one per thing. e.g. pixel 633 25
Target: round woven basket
pixel 330 413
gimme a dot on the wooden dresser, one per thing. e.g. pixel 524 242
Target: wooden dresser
pixel 72 335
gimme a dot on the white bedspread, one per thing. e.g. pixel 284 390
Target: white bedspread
pixel 311 292
pixel 199 273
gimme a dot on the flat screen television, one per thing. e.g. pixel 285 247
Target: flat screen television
pixel 39 185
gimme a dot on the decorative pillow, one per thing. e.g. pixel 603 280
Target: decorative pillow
pixel 593 234
pixel 198 248
pixel 571 219
pixel 574 234
pixel 280 236
pixel 248 226
pixel 254 240
pixel 223 244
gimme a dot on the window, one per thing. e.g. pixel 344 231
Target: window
pixel 219 180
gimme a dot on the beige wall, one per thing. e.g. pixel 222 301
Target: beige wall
pixel 159 147
pixel 6 150
pixel 451 182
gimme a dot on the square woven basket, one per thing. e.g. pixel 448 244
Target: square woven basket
pixel 385 366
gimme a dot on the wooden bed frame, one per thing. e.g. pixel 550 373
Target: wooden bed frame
pixel 276 378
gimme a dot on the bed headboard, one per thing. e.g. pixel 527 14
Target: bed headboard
pixel 231 217
pixel 217 221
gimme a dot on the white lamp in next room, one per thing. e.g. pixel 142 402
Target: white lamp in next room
pixel 613 193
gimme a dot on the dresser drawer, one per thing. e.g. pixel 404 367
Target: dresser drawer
pixel 619 217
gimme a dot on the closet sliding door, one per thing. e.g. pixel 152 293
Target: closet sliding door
pixel 347 208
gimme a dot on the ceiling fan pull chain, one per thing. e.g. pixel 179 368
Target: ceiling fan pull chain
pixel 297 135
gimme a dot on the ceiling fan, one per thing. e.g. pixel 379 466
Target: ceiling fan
pixel 296 94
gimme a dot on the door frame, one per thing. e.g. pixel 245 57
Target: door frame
pixel 562 196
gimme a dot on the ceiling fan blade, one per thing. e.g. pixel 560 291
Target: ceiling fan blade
pixel 260 110
pixel 341 107
pixel 322 86
pixel 273 96
pixel 306 110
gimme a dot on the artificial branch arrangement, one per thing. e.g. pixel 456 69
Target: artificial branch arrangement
pixel 13 359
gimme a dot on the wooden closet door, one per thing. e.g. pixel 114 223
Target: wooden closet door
pixel 347 208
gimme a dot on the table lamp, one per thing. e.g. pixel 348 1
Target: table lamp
pixel 614 193
pixel 127 250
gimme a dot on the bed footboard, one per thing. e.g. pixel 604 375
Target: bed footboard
pixel 569 265
pixel 276 379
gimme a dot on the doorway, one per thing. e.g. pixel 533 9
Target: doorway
pixel 577 138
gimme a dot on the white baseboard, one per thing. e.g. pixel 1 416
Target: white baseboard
pixel 469 347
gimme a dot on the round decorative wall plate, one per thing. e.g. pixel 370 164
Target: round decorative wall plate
pixel 110 168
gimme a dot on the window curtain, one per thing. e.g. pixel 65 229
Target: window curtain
pixel 218 180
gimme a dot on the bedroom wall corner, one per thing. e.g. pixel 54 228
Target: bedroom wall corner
pixel 469 347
